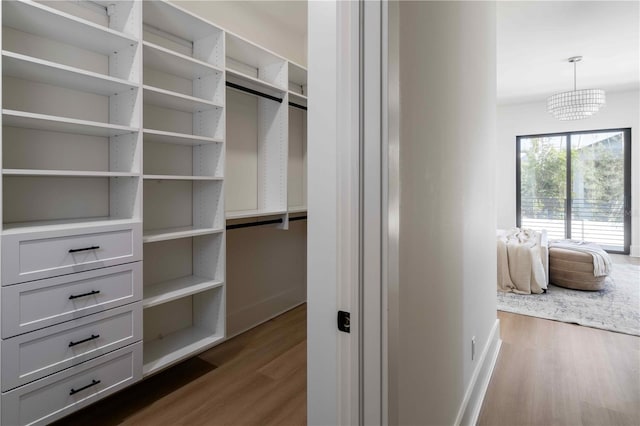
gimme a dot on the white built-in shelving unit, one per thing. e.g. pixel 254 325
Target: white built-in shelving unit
pixel 297 168
pixel 130 130
pixel 184 106
pixel 257 131
pixel 71 234
pixel 71 113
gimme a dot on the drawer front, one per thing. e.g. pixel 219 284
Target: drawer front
pixel 31 356
pixel 37 304
pixel 38 255
pixel 58 395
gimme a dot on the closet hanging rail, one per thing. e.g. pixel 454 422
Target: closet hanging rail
pixel 253 92
pixel 264 222
pixel 251 224
pixel 295 105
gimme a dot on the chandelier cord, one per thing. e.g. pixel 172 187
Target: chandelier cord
pixel 575 87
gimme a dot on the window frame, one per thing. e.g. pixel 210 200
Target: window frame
pixel 626 131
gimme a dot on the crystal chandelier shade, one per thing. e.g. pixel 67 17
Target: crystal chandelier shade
pixel 576 104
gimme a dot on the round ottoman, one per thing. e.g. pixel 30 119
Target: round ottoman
pixel 573 269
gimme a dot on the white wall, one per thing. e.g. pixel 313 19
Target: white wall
pixel 322 262
pixel 266 273
pixel 245 20
pixel 622 110
pixel 447 253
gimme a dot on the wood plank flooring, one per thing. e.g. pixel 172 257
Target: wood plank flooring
pixel 548 373
pixel 257 378
pixel 553 373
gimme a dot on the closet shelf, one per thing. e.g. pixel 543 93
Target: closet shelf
pixel 35 18
pixel 174 63
pixel 174 20
pixel 252 83
pixel 64 173
pixel 241 50
pixel 47 72
pixel 298 209
pixel 168 291
pixel 159 136
pixel 176 177
pixel 245 214
pixel 62 225
pixel 177 101
pixel 297 98
pixel 165 234
pixel 174 347
pixel 28 120
pixel 297 74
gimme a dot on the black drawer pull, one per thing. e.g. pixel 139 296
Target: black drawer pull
pixel 84 249
pixel 93 337
pixel 75 391
pixel 91 293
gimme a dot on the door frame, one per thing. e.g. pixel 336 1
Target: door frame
pixel 626 131
pixel 347 210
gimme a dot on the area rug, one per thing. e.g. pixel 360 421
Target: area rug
pixel 614 308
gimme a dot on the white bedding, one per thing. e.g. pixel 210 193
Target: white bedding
pixel 601 260
pixel 521 266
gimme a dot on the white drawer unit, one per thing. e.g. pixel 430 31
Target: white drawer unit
pixel 36 255
pixel 55 396
pixel 37 304
pixel 31 356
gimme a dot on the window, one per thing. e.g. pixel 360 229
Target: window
pixel 576 185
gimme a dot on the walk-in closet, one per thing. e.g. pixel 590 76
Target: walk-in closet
pixel 153 209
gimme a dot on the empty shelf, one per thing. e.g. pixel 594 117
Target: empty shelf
pixel 63 225
pixel 246 52
pixel 297 98
pixel 252 83
pixel 167 291
pixel 298 209
pixel 164 234
pixel 297 74
pixel 178 101
pixel 174 20
pixel 174 347
pixel 64 173
pixel 28 120
pixel 170 62
pixel 176 177
pixel 161 136
pixel 244 214
pixel 38 70
pixel 35 18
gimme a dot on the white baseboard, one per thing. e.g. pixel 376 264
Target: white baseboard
pixel 634 251
pixel 474 395
pixel 252 315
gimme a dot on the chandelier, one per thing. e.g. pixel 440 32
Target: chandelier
pixel 577 104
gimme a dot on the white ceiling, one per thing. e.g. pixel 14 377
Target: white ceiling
pixel 535 39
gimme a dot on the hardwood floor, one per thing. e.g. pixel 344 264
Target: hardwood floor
pixel 257 378
pixel 553 373
pixel 548 373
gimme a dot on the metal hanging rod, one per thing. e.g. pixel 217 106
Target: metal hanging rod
pixel 263 222
pixel 253 92
pixel 293 104
pixel 293 219
pixel 251 224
